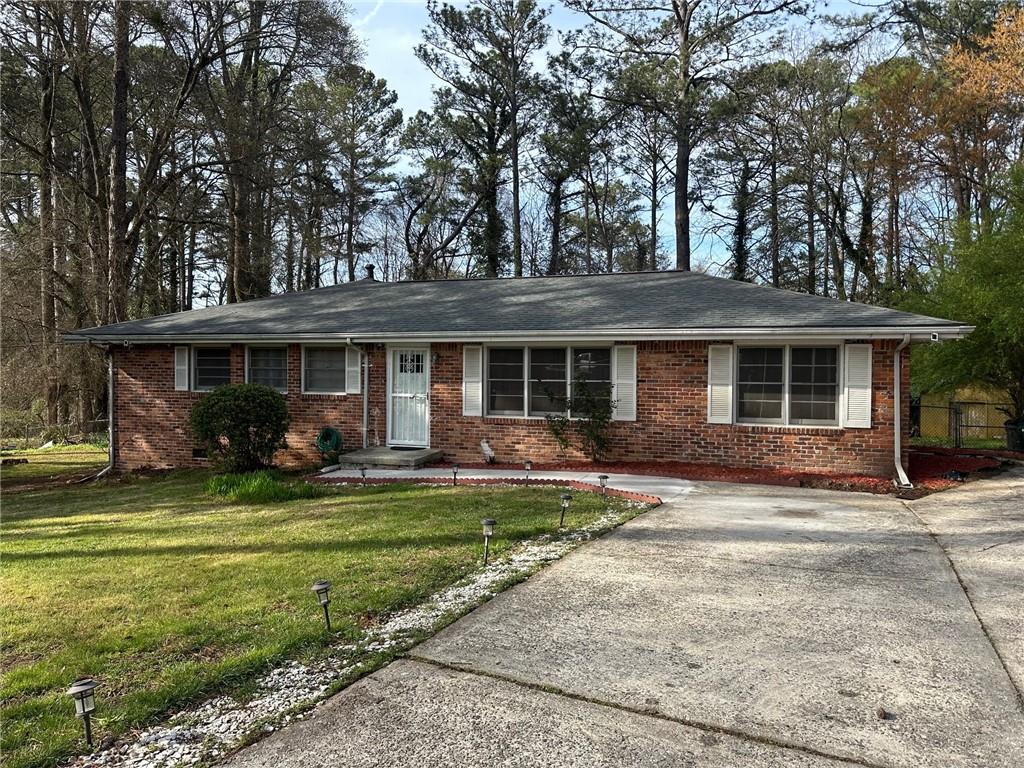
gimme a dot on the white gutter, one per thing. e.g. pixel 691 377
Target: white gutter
pixel 916 333
pixel 902 481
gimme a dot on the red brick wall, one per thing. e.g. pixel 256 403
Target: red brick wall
pixel 672 423
pixel 671 416
pixel 151 417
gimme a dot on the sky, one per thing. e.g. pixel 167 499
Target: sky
pixel 391 30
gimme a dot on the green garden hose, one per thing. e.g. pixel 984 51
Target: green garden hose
pixel 328 441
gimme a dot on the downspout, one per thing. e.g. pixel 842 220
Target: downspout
pixel 902 481
pixel 366 399
pixel 365 357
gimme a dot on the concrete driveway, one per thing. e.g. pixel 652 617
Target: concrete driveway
pixel 735 626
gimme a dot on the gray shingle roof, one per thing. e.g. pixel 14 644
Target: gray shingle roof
pixel 627 304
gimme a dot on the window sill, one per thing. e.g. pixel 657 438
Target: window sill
pixel 802 429
pixel 323 394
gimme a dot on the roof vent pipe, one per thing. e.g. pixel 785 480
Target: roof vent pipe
pixel 369 273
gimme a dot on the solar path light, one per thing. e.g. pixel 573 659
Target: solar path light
pixel 488 525
pixel 455 474
pixel 603 480
pixel 362 475
pixel 528 465
pixel 566 498
pixel 323 596
pixel 85 703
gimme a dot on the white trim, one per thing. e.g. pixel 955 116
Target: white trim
pixel 182 368
pixel 916 333
pixel 720 391
pixel 525 413
pixel 302 369
pixel 621 412
pixel 193 368
pixel 787 361
pixel 858 421
pixel 389 351
pixel 470 382
pixel 268 346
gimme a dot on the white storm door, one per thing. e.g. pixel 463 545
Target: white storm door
pixel 409 407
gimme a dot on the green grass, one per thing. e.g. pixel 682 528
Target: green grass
pixel 51 463
pixel 263 487
pixel 168 594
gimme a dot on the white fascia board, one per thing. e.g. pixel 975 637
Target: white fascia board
pixel 916 333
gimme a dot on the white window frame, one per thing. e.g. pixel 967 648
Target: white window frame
pixel 302 369
pixel 786 421
pixel 194 368
pixel 525 413
pixel 248 378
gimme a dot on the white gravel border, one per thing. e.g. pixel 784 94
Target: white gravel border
pixel 206 732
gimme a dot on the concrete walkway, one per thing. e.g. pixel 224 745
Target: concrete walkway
pixel 665 488
pixel 732 626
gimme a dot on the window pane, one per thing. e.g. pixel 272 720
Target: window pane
pixel 505 381
pixel 213 367
pixel 269 366
pixel 759 383
pixel 325 369
pixel 547 380
pixel 814 387
pixel 592 370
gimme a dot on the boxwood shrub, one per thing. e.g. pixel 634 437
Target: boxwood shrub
pixel 240 425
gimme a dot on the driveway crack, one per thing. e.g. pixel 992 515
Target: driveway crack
pixel 648 712
pixel 967 593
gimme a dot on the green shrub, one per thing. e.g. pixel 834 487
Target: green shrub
pixel 240 425
pixel 592 408
pixel 261 487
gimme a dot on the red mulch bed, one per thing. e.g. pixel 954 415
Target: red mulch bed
pixel 925 471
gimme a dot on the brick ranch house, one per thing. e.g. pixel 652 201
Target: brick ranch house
pixel 702 369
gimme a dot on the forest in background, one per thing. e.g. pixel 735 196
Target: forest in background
pixel 163 156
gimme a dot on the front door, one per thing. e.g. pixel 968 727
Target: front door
pixel 408 403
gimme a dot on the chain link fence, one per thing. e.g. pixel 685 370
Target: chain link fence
pixel 958 425
pixel 21 434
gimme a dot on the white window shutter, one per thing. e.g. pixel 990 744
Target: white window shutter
pixel 181 367
pixel 353 373
pixel 472 381
pixel 857 390
pixel 624 385
pixel 720 383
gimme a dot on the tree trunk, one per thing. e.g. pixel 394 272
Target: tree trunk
pixel 812 250
pixel 774 241
pixel 46 240
pixel 740 254
pixel 682 187
pixel 517 227
pixel 555 262
pixel 118 212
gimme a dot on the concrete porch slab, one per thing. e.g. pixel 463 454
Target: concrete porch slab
pixel 383 456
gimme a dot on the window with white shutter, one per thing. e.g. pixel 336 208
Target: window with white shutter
pixel 720 371
pixel 472 381
pixel 353 372
pixel 624 385
pixel 857 386
pixel 181 358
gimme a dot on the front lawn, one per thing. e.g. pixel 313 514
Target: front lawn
pixel 166 594
pixel 48 464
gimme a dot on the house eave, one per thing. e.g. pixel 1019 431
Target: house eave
pixel 917 333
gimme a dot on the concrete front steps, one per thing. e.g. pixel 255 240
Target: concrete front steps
pixel 384 457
